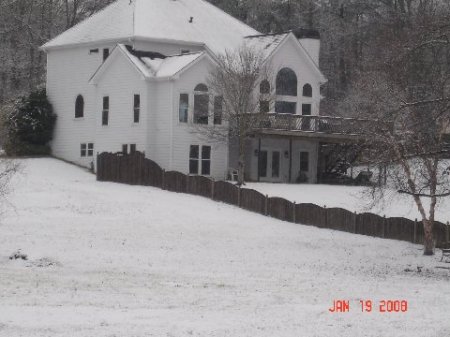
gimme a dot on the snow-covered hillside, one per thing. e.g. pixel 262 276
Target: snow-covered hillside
pixel 114 260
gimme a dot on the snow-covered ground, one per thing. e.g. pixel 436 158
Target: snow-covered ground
pixel 113 260
pixel 353 198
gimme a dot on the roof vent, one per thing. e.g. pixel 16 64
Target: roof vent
pixel 191 20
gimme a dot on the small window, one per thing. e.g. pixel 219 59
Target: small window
pixel 125 149
pixel 105 54
pixel 90 150
pixel 218 110
pixel 83 149
pixel 206 160
pixel 285 107
pixel 307 90
pixel 137 108
pixel 306 109
pixel 79 107
pixel 185 51
pixel 93 51
pixel 304 161
pixel 183 108
pixel 194 159
pixel 132 148
pixel 105 112
pixel 264 106
pixel 201 102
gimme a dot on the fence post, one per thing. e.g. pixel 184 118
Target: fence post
pixel 239 196
pixel 447 231
pixel 355 221
pixel 293 212
pixel 326 216
pixel 415 231
pixel 163 180
pixel 213 184
pixel 384 227
pixel 266 205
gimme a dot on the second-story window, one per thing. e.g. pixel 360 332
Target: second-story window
pixel 79 107
pixel 105 54
pixel 201 104
pixel 286 91
pixel 137 108
pixel 218 110
pixel 105 111
pixel 183 108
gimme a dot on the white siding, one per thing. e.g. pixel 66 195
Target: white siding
pixel 120 83
pixel 68 73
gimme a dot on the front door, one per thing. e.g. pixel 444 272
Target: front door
pixel 269 165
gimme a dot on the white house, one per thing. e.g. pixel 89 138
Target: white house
pixel 132 77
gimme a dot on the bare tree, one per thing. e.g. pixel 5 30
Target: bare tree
pixel 406 88
pixel 240 84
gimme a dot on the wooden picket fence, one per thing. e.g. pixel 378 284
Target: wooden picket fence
pixel 135 169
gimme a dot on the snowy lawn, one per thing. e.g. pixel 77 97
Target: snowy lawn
pixel 113 260
pixel 352 198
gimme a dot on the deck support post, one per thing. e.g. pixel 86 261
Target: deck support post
pixel 290 160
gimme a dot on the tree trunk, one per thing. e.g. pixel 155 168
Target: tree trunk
pixel 241 167
pixel 428 237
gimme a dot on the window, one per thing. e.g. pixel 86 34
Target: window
pixel 93 51
pixel 90 151
pixel 206 160
pixel 264 87
pixel 286 82
pixel 132 148
pixel 264 106
pixel 306 109
pixel 201 102
pixel 87 150
pixel 105 112
pixel 183 108
pixel 105 54
pixel 287 92
pixel 304 161
pixel 307 90
pixel 193 159
pixel 276 164
pixel 79 107
pixel 185 51
pixel 137 108
pixel 218 110
pixel 83 151
pixel 285 107
pixel 125 148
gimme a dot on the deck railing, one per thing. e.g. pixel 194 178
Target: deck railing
pixel 315 124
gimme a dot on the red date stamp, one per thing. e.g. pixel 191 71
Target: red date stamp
pixel 368 306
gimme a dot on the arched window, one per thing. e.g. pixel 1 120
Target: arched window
pixel 307 90
pixel 286 86
pixel 201 104
pixel 286 82
pixel 79 107
pixel 264 87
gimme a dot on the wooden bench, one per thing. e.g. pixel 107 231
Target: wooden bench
pixel 445 253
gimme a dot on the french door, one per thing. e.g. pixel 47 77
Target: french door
pixel 269 165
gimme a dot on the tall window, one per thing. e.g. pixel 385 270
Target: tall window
pixel 105 54
pixel 200 160
pixel 286 91
pixel 83 150
pixel 194 155
pixel 264 89
pixel 105 111
pixel 79 107
pixel 307 90
pixel 206 160
pixel 137 108
pixel 201 102
pixel 183 108
pixel 218 110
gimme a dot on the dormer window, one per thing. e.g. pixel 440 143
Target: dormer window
pixel 307 90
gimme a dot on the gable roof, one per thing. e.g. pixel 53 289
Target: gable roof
pixel 159 20
pixel 151 65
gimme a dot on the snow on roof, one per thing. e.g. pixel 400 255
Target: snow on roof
pixel 265 43
pixel 152 65
pixel 191 21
